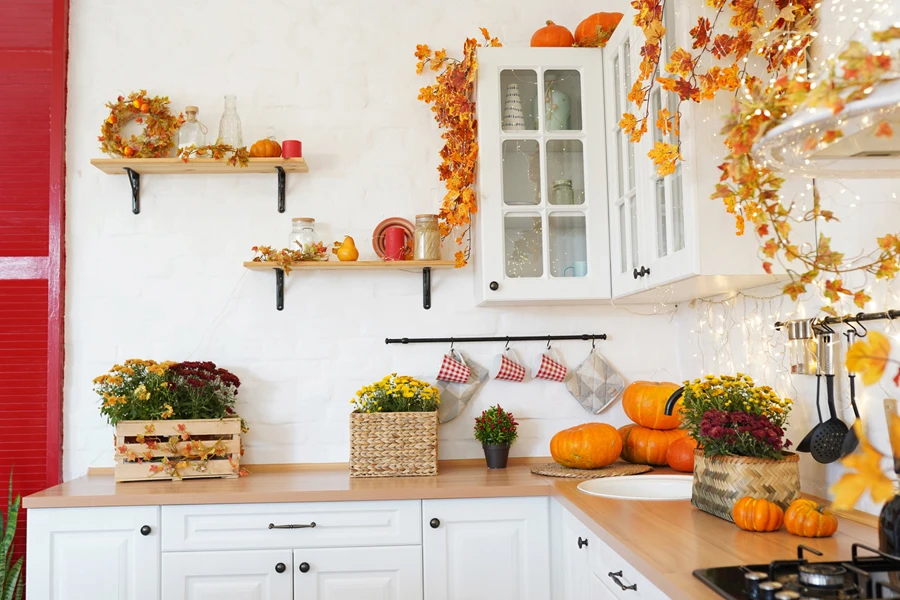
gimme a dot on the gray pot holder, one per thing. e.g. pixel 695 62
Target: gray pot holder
pixel 594 383
pixel 455 396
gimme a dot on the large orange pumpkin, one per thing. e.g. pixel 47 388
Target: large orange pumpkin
pixel 552 35
pixel 807 519
pixel 265 148
pixel 645 403
pixel 588 446
pixel 757 514
pixel 646 446
pixel 596 30
pixel 680 455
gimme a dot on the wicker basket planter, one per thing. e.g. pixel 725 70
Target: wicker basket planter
pixel 720 481
pixel 400 444
pixel 178 449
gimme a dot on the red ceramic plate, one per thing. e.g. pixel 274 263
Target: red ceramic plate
pixel 378 234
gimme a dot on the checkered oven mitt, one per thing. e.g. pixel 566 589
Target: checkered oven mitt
pixel 594 383
pixel 455 396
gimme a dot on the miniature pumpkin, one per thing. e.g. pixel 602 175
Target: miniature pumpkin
pixel 587 446
pixel 757 514
pixel 265 148
pixel 645 446
pixel 645 403
pixel 596 30
pixel 552 36
pixel 680 455
pixel 807 519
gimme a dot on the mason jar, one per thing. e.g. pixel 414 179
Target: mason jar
pixel 427 238
pixel 303 232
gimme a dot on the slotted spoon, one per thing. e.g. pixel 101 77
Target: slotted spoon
pixel 828 437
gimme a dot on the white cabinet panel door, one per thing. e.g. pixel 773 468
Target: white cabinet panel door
pixel 390 573
pixel 598 589
pixel 241 575
pixel 575 564
pixel 97 553
pixel 490 549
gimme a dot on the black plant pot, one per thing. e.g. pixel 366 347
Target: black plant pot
pixel 496 455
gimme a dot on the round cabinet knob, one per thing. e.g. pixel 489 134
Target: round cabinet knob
pixel 494 286
pixel 280 568
pixel 304 567
pixel 145 530
pixel 636 274
pixel 435 523
pixel 582 543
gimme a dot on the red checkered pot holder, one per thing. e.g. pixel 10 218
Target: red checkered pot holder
pixel 550 368
pixel 453 371
pixel 507 369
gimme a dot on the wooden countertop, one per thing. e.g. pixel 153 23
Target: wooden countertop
pixel 664 540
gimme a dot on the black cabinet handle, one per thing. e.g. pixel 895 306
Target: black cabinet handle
pixel 304 567
pixel 644 271
pixel 636 275
pixel 145 530
pixel 494 286
pixel 615 577
pixel 292 526
pixel 581 543
pixel 280 568
pixel 435 523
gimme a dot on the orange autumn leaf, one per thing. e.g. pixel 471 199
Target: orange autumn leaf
pixel 884 129
pixel 662 121
pixel 664 156
pixel 681 63
pixel 865 475
pixel 628 122
pixel 869 357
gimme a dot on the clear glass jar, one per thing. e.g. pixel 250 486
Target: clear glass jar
pixel 230 124
pixel 563 192
pixel 192 132
pixel 303 232
pixel 427 238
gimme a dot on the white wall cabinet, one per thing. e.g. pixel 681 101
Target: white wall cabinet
pixel 108 553
pixel 236 575
pixel 491 549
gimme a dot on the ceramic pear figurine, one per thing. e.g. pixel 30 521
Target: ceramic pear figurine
pixel 346 250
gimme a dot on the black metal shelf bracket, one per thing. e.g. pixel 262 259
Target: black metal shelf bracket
pixel 426 288
pixel 280 190
pixel 279 289
pixel 134 178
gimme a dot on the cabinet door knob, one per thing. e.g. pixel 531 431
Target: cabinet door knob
pixel 304 567
pixel 145 530
pixel 615 577
pixel 581 543
pixel 494 286
pixel 644 271
pixel 636 274
pixel 435 523
pixel 280 568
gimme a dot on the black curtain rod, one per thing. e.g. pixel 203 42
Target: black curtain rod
pixel 857 318
pixel 510 338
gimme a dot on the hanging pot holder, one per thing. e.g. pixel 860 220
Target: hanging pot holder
pixel 455 396
pixel 594 383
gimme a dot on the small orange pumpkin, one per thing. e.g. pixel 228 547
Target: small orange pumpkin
pixel 645 446
pixel 807 519
pixel 587 446
pixel 645 404
pixel 757 514
pixel 265 148
pixel 596 30
pixel 680 455
pixel 552 36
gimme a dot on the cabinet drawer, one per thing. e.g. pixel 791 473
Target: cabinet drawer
pixel 606 565
pixel 247 526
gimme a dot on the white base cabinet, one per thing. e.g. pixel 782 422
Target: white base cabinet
pixel 358 573
pixel 238 575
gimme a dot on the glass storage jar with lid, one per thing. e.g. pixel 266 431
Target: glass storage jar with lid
pixel 563 193
pixel 303 232
pixel 427 238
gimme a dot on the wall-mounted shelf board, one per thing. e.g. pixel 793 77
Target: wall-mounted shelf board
pixel 372 265
pixel 135 167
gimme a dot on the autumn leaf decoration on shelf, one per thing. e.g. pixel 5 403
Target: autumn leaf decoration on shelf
pixel 152 112
pixel 451 102
pixel 238 156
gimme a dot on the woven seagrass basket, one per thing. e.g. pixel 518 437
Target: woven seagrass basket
pixel 720 481
pixel 400 444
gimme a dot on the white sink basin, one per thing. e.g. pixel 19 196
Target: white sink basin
pixel 640 487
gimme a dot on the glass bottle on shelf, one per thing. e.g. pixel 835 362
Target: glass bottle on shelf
pixel 192 132
pixel 427 236
pixel 230 124
pixel 303 232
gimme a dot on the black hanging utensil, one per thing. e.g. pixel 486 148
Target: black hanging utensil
pixel 828 437
pixel 851 441
pixel 805 443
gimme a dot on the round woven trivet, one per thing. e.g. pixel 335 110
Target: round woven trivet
pixel 613 470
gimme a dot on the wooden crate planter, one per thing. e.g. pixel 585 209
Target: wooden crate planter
pixel 178 449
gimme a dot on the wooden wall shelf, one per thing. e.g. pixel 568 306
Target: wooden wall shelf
pixel 135 167
pixel 373 265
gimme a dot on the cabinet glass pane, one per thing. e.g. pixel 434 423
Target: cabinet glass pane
pixel 568 247
pixel 523 233
pixel 677 211
pixel 662 247
pixel 521 172
pixel 562 100
pixel 565 172
pixel 519 100
pixel 623 248
pixel 633 228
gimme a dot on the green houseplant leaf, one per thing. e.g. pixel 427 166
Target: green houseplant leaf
pixel 10 574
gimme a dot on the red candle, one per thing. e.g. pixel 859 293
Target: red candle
pixel 291 149
pixel 394 243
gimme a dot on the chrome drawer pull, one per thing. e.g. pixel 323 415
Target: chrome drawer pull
pixel 292 526
pixel 615 577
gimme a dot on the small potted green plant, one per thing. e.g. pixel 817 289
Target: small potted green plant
pixel 496 429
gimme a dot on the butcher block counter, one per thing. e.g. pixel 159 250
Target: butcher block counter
pixel 664 540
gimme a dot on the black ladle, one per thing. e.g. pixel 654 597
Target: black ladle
pixel 828 437
pixel 805 443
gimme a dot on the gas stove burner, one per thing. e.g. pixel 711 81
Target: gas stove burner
pixel 821 575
